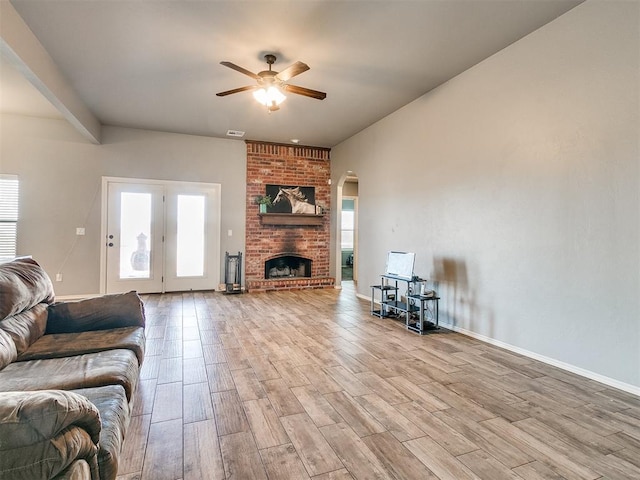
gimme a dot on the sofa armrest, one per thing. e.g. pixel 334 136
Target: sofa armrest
pixel 100 313
pixel 43 432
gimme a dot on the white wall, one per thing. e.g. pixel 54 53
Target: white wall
pixel 60 186
pixel 517 185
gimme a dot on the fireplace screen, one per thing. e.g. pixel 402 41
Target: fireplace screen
pixel 287 266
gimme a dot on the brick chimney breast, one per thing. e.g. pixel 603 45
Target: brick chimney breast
pixel 279 164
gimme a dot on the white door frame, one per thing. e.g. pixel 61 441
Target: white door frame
pixel 338 231
pixel 166 183
pixel 355 235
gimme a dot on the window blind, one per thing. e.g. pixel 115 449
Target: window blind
pixel 8 215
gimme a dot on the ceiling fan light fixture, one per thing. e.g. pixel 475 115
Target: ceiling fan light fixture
pixel 270 96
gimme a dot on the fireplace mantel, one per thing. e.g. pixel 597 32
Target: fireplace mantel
pixel 290 219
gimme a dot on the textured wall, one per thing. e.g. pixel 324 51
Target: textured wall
pixel 60 187
pixel 517 185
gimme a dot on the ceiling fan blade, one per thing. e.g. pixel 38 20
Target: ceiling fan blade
pixel 291 71
pixel 307 92
pixel 237 90
pixel 235 67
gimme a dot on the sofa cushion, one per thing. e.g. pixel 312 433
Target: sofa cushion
pixel 49 457
pixel 23 284
pixel 26 327
pixel 100 313
pixel 78 470
pixel 111 367
pixel 27 417
pixel 70 344
pixel 8 351
pixel 112 404
pixel 42 433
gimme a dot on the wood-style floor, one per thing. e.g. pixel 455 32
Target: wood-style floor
pixel 307 384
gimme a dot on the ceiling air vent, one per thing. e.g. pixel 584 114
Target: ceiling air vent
pixel 235 133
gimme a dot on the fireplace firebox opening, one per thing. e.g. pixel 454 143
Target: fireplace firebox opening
pixel 287 266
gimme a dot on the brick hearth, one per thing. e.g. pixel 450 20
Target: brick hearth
pixel 278 164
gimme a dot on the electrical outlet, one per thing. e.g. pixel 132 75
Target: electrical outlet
pixel 58 277
pixel 80 231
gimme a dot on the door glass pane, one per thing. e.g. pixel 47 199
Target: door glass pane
pixel 190 238
pixel 135 235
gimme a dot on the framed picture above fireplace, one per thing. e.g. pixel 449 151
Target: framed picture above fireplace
pixel 294 199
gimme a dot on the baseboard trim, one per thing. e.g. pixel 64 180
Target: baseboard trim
pixel 627 387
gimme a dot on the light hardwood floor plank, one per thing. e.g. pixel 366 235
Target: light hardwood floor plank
pixel 241 458
pixel 348 381
pixel 168 402
pixel 485 466
pixel 283 463
pixel 162 461
pixel 400 426
pixel 265 423
pixel 477 434
pixel 307 384
pixel 438 460
pixel 537 448
pixel 202 456
pixel 358 418
pixel 537 471
pixel 342 474
pixel 319 379
pixel 144 397
pixel 421 396
pixel 382 388
pixel 197 404
pixel 314 451
pixel 282 399
pixel 219 377
pixel 135 444
pixel 228 412
pixel 396 458
pixel 247 385
pixel 316 406
pixel 447 437
pixel 354 453
pixel 194 370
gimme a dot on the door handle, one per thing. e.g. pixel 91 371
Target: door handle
pixel 110 244
pixel 110 237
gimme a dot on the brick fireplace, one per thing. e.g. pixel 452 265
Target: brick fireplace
pixel 267 244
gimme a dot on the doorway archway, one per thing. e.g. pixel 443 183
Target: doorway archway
pixel 347 229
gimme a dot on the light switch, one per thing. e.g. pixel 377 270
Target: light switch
pixel 229 232
pixel 80 231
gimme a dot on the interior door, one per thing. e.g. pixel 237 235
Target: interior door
pixel 135 229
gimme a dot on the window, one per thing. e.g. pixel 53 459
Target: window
pixel 8 215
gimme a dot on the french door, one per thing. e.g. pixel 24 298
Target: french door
pixel 160 236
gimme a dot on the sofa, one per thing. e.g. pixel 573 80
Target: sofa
pixel 68 372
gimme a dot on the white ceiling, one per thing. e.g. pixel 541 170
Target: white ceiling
pixel 155 64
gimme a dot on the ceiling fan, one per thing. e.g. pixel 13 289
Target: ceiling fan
pixel 270 84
